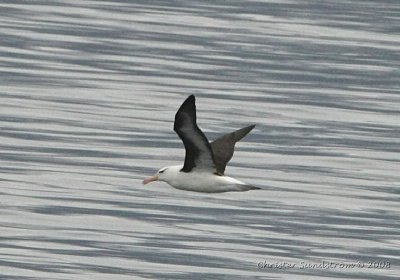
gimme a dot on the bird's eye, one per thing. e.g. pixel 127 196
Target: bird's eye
pixel 161 171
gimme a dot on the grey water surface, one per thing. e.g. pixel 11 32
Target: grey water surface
pixel 88 93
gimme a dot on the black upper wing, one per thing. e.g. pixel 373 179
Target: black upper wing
pixel 199 154
pixel 224 146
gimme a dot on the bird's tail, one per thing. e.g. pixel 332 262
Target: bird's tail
pixel 246 187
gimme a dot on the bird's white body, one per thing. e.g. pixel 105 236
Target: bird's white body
pixel 200 180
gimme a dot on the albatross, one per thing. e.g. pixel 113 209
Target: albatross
pixel 204 166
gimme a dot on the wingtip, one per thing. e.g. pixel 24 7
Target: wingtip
pixel 250 127
pixel 191 98
pixel 190 101
pixel 239 134
pixel 188 107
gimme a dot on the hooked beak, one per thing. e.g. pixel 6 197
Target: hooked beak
pixel 150 179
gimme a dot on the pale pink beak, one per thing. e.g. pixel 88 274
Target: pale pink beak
pixel 150 179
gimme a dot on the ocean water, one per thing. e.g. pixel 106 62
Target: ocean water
pixel 88 93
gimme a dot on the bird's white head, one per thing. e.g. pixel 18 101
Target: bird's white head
pixel 165 174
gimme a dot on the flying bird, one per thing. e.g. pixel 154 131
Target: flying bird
pixel 204 165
